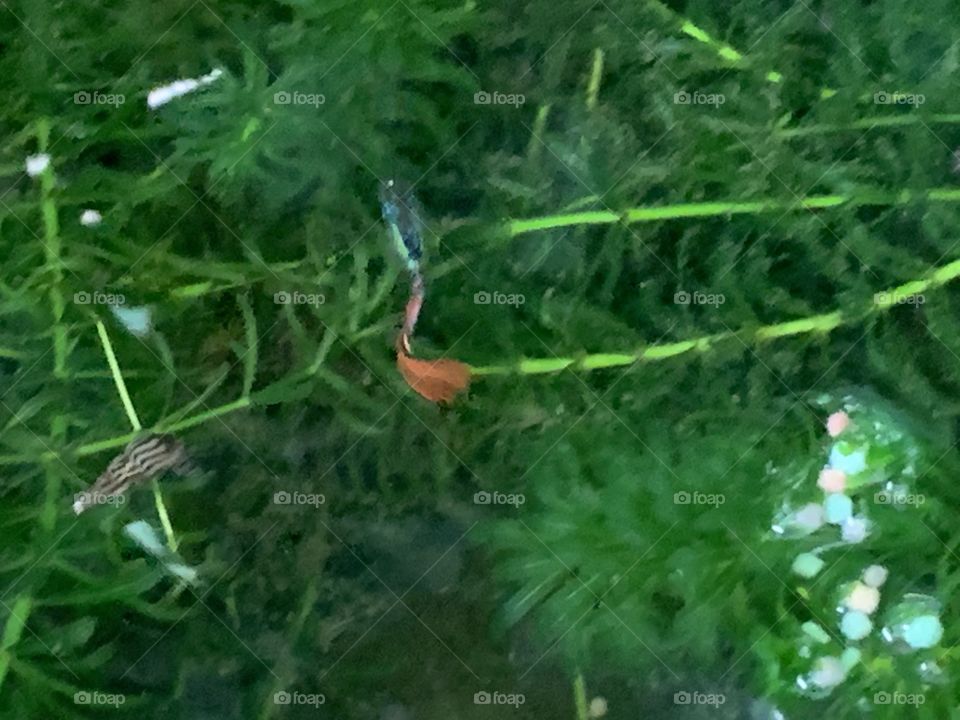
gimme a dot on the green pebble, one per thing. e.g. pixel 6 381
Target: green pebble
pixel 807 565
pixel 811 629
pixel 850 658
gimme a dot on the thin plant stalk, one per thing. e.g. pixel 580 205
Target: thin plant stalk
pixel 137 427
pixel 724 208
pixel 52 248
pixel 580 697
pixel 816 324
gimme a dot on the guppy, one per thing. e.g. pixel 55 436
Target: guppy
pixel 401 212
pixel 143 459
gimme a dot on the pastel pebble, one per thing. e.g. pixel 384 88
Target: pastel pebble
pixel 923 632
pixel 810 516
pixel 863 598
pixel 807 565
pixel 850 657
pixel 829 672
pixel 875 575
pixel 832 480
pixel 837 423
pixel 837 508
pixel 853 530
pixel 855 625
pixel 855 462
pixel 814 631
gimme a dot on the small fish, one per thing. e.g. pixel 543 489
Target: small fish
pixel 401 212
pixel 143 459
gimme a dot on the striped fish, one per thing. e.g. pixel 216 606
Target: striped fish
pixel 142 460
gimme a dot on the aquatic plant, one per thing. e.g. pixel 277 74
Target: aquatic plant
pixel 654 235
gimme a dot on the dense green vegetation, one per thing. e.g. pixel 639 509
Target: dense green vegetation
pixel 667 237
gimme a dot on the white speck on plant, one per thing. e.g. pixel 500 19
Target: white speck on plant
pixel 36 164
pixel 165 93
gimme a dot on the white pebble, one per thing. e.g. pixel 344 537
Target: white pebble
pixel 36 164
pixel 875 575
pixel 89 218
pixel 598 707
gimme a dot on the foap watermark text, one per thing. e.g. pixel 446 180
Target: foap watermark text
pixel 95 697
pixel 282 497
pixel 698 498
pixel 98 298
pixel 284 697
pixel 698 98
pixel 298 298
pixel 682 297
pixel 498 98
pixel 498 698
pixel 298 98
pixel 896 97
pixel 898 698
pixel 698 698
pixel 96 97
pixel 498 498
pixel 498 298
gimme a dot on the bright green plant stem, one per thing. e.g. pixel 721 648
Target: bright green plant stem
pixel 726 208
pixel 596 75
pixel 535 147
pixel 580 697
pixel 121 440
pixel 725 52
pixel 869 123
pixel 818 324
pixel 137 427
pixel 52 248
pixel 16 622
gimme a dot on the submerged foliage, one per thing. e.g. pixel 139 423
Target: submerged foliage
pixel 598 182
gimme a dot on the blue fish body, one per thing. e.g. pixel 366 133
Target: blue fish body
pixel 400 211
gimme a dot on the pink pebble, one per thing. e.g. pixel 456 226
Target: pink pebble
pixel 837 423
pixel 832 480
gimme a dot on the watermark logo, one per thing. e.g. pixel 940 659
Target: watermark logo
pixel 498 298
pixel 498 98
pixel 298 298
pixel 87 499
pixel 498 498
pixel 898 498
pixel 898 698
pixel 98 298
pixel 885 298
pixel 698 98
pixel 683 297
pixel 499 698
pixel 96 97
pixel 282 497
pixel 283 697
pixel 95 697
pixel 896 97
pixel 298 98
pixel 698 698
pixel 698 498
